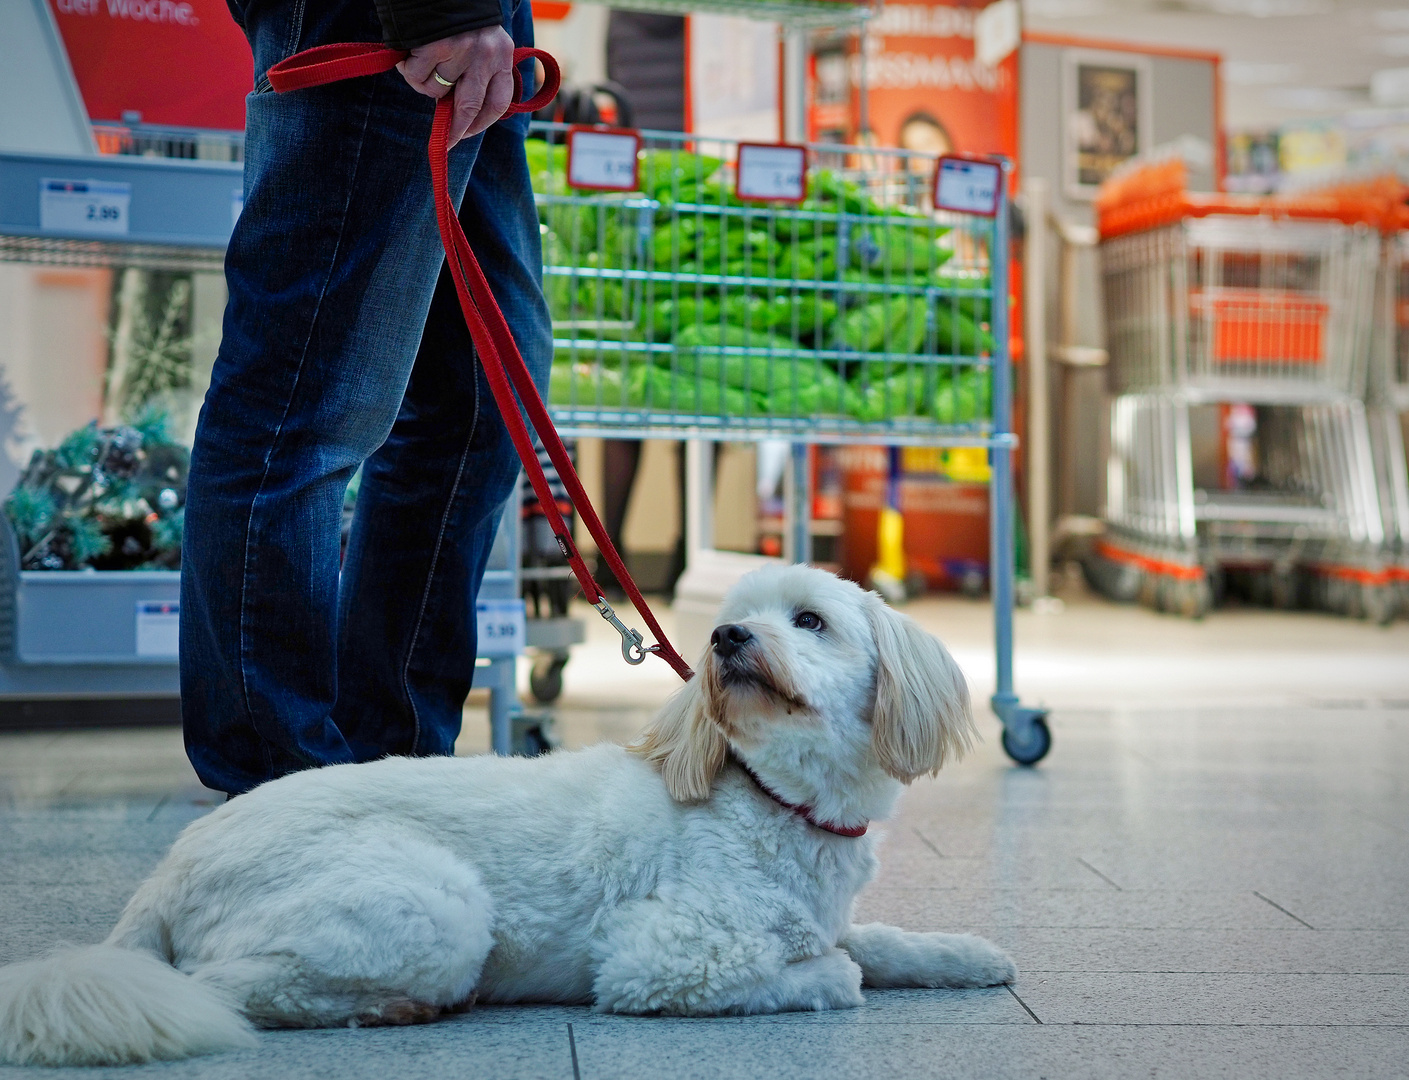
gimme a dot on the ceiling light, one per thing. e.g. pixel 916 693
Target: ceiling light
pixel 1065 9
pixel 1246 73
pixel 1265 9
pixel 1391 18
pixel 1390 86
pixel 1311 98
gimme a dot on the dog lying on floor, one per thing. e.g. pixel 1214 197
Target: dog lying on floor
pixel 710 868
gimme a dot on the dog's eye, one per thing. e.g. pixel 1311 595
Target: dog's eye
pixel 808 620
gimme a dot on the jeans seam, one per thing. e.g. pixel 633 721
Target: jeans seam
pixel 283 420
pixel 430 573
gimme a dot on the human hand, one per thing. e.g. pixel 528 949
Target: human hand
pixel 479 63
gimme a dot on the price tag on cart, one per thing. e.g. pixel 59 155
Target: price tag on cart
pixel 84 207
pixel 603 159
pixel 501 627
pixel 967 185
pixel 771 172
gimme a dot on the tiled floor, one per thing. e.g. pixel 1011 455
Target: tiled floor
pixel 1208 877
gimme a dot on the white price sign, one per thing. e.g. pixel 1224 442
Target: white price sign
pixel 85 207
pixel 158 628
pixel 602 160
pixel 970 187
pixel 501 627
pixel 771 173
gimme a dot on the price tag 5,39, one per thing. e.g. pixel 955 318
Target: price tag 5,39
pixel 603 160
pixel 771 172
pixel 501 627
pixel 84 207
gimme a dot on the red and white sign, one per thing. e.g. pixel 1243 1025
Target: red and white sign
pixel 179 62
pixel 603 159
pixel 967 185
pixel 771 172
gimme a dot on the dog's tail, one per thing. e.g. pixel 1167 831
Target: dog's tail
pixel 108 1005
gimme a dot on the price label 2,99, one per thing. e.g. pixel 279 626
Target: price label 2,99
pixel 501 627
pixel 603 160
pixel 84 207
pixel 771 172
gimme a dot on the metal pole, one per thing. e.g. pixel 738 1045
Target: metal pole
pixel 1000 488
pixel 797 506
pixel 794 103
pixel 1039 466
pixel 699 499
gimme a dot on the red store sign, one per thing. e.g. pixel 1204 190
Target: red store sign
pixel 178 62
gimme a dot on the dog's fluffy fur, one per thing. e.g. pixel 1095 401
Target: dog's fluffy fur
pixel 652 879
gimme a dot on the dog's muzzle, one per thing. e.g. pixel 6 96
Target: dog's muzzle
pixel 729 639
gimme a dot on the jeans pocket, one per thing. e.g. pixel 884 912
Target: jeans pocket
pixel 276 41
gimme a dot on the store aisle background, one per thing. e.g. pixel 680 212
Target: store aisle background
pixel 1205 878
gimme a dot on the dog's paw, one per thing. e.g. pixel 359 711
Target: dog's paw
pixel 977 962
pixel 829 981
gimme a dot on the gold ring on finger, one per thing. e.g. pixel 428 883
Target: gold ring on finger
pixel 443 81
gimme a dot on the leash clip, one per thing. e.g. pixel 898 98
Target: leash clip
pixel 633 649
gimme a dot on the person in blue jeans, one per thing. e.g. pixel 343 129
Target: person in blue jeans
pixel 344 345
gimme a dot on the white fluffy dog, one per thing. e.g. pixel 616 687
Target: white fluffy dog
pixel 710 868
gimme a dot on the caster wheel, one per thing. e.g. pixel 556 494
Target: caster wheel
pixel 1149 591
pixel 1034 748
pixel 545 681
pixel 533 736
pixel 1195 598
pixel 1377 602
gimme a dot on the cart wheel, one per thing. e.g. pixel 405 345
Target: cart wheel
pixel 1149 591
pixel 545 681
pixel 1035 748
pixel 1377 602
pixel 1195 598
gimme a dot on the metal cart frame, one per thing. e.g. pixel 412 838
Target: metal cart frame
pixel 603 410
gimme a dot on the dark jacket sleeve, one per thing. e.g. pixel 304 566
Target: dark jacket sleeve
pixel 408 24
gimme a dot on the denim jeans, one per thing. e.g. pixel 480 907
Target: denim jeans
pixel 344 345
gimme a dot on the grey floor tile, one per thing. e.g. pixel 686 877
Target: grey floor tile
pixel 1176 998
pixel 964 909
pixel 1367 904
pixel 468 1046
pixel 1282 951
pixel 748 1052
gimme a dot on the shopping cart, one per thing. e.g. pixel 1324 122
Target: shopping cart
pixel 1240 333
pixel 847 310
pixel 1388 402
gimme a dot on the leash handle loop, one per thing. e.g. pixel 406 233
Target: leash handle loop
pixel 355 59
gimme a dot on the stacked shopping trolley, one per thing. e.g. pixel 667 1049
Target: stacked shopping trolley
pixel 1242 335
pixel 1389 394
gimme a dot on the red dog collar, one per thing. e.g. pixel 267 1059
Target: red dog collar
pixel 805 812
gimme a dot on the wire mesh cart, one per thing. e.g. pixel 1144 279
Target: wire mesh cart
pixel 1388 401
pixel 710 290
pixel 1240 333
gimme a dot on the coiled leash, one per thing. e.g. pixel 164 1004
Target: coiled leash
pixel 503 365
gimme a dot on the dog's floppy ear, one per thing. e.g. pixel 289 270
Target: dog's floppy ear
pixel 922 715
pixel 684 744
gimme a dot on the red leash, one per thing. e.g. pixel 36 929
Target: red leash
pixel 494 343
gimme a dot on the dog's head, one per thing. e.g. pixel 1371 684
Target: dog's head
pixel 809 670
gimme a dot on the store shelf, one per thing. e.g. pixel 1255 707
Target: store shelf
pixel 186 205
pixel 794 13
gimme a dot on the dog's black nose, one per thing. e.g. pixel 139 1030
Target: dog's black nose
pixel 727 640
